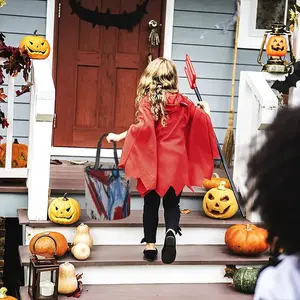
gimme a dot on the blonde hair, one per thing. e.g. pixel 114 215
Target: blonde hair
pixel 159 77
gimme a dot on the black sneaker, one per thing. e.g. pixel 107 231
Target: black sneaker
pixel 169 249
pixel 150 254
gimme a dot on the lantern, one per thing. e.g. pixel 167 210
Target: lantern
pixel 43 276
pixel 276 49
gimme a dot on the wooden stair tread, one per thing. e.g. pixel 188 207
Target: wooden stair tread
pixel 194 219
pixel 104 255
pixel 215 291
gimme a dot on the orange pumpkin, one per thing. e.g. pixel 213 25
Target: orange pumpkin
pixel 214 182
pixel 276 46
pixel 45 246
pixel 19 155
pixel 3 295
pixel 246 239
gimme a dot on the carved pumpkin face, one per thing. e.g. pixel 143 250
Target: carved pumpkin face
pixel 19 155
pixel 276 46
pixel 64 210
pixel 220 203
pixel 37 46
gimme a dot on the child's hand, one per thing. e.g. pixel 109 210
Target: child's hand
pixel 112 137
pixel 204 105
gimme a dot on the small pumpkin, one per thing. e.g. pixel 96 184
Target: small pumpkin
pixel 64 210
pixel 45 246
pixel 220 203
pixel 276 46
pixel 19 155
pixel 244 279
pixel 37 46
pixel 3 295
pixel 67 280
pixel 214 182
pixel 246 239
pixel 81 251
pixel 83 235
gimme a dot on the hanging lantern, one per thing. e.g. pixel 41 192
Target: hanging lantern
pixel 279 40
pixel 43 276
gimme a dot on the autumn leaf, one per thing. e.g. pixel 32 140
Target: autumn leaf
pixel 2 95
pixel 3 120
pixel 24 89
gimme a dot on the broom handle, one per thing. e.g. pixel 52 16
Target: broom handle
pixel 236 194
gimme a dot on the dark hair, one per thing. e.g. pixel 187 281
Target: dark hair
pixel 273 172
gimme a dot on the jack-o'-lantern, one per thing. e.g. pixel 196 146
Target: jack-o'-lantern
pixel 64 210
pixel 276 46
pixel 220 203
pixel 19 155
pixel 37 46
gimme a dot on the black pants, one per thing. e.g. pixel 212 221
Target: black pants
pixel 150 216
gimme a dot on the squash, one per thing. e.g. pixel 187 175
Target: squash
pixel 81 251
pixel 214 182
pixel 19 155
pixel 83 235
pixel 63 210
pixel 67 280
pixel 246 239
pixel 45 246
pixel 37 46
pixel 220 203
pixel 3 295
pixel 244 279
pixel 276 46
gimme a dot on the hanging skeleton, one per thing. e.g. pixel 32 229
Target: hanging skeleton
pixel 153 39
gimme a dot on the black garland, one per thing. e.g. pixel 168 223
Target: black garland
pixel 121 21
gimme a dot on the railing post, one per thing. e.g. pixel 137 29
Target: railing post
pixel 41 122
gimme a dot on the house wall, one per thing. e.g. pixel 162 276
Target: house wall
pixel 19 18
pixel 212 55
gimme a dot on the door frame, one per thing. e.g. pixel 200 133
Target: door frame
pixel 52 37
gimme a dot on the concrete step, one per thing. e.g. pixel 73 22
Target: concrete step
pixel 197 229
pixel 125 265
pixel 157 291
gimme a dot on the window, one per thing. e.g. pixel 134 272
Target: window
pixel 257 16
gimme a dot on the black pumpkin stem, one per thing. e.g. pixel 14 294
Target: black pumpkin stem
pixel 65 197
pixel 230 270
pixel 35 32
pixel 16 141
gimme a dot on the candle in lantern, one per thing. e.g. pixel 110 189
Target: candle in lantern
pixel 46 288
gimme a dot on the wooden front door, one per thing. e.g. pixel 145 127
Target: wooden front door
pixel 97 72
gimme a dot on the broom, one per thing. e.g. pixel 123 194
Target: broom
pixel 228 146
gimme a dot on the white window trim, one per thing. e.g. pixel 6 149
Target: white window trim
pixel 168 37
pixel 249 36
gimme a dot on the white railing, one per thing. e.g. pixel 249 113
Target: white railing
pixel 257 107
pixel 40 139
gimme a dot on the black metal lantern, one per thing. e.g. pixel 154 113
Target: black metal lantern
pixel 43 276
pixel 276 49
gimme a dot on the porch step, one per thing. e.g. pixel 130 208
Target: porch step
pixel 157 291
pixel 125 265
pixel 197 229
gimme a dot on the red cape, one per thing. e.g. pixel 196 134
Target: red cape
pixel 180 154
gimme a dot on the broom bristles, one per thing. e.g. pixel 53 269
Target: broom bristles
pixel 228 146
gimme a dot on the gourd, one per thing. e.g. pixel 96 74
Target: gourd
pixel 220 203
pixel 45 246
pixel 246 239
pixel 276 46
pixel 37 46
pixel 214 182
pixel 63 210
pixel 244 279
pixel 3 295
pixel 67 280
pixel 81 251
pixel 19 155
pixel 83 235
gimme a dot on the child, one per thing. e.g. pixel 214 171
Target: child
pixel 172 145
pixel 277 199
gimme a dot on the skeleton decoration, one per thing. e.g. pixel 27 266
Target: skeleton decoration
pixel 153 39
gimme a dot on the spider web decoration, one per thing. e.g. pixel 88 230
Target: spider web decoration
pixel 122 21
